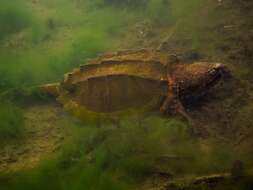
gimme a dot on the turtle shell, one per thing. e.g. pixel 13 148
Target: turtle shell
pixel 118 81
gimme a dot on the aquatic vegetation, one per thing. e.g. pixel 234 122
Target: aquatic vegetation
pixel 14 17
pixel 119 155
pixel 42 40
pixel 12 122
pixel 57 42
pixel 53 42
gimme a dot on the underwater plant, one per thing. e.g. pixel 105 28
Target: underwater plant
pixel 14 17
pixel 11 122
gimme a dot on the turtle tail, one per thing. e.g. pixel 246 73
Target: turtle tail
pixel 51 89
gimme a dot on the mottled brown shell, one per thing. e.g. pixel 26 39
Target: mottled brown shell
pixel 150 64
pixel 118 81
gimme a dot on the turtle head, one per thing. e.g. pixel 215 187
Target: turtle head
pixel 197 78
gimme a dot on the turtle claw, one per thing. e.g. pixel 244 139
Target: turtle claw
pixel 175 107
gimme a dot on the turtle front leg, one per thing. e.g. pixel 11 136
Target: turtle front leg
pixel 172 105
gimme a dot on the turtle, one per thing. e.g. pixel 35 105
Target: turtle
pixel 136 79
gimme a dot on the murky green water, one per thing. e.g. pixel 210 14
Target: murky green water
pixel 41 40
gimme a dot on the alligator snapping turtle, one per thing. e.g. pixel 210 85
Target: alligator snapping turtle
pixel 136 79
